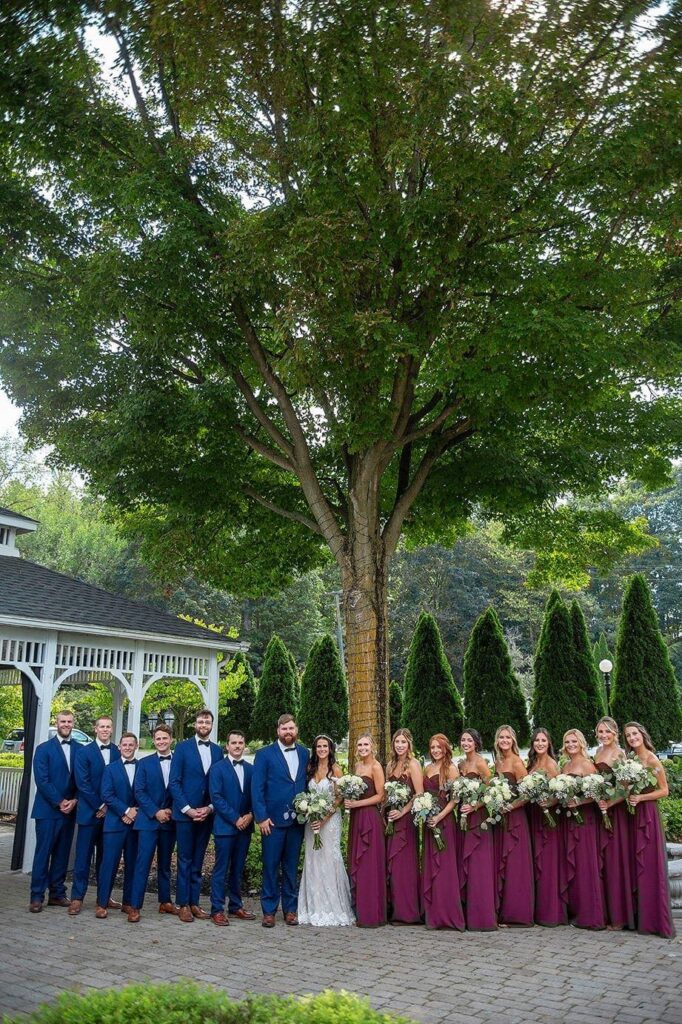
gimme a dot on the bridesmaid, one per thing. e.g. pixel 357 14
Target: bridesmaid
pixel 615 844
pixel 477 875
pixel 367 849
pixel 402 854
pixel 581 885
pixel 440 880
pixel 511 841
pixel 652 891
pixel 550 909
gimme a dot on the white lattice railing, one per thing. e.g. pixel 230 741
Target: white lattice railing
pixel 87 657
pixel 32 652
pixel 10 784
pixel 156 663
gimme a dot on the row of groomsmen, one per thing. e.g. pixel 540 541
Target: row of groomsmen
pixel 130 808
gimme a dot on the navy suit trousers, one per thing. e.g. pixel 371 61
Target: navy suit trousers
pixel 115 844
pixel 88 841
pixel 230 858
pixel 51 857
pixel 281 851
pixel 150 842
pixel 192 839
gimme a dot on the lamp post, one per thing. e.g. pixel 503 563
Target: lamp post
pixel 337 595
pixel 605 667
pixel 152 719
pixel 168 717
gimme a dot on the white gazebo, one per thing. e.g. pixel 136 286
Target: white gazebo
pixel 54 629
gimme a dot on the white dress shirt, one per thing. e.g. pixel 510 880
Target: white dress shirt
pixel 165 769
pixel 291 759
pixel 204 754
pixel 130 767
pixel 239 772
pixel 106 754
pixel 66 750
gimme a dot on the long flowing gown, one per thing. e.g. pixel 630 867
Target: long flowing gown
pixel 402 869
pixel 550 909
pixel 367 859
pixel 615 847
pixel 477 875
pixel 324 896
pixel 650 871
pixel 515 894
pixel 440 877
pixel 582 889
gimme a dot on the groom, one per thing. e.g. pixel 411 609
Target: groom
pixel 278 775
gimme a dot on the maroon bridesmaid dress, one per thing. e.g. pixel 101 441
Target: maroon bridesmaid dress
pixel 615 847
pixel 550 909
pixel 515 893
pixel 477 876
pixel 582 889
pixel 440 879
pixel 650 871
pixel 367 859
pixel 402 868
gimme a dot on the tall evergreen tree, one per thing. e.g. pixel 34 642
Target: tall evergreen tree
pixel 645 688
pixel 236 711
pixel 492 693
pixel 297 682
pixel 395 705
pixel 557 701
pixel 276 691
pixel 324 694
pixel 601 652
pixel 431 701
pixel 586 675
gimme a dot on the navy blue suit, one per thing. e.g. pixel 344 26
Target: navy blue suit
pixel 88 769
pixel 189 788
pixel 153 836
pixel 272 793
pixel 119 838
pixel 231 843
pixel 54 829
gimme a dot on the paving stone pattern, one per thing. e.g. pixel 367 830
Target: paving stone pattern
pixel 517 976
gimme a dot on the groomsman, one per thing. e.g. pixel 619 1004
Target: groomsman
pixel 279 774
pixel 230 789
pixel 118 785
pixel 154 825
pixel 89 764
pixel 192 812
pixel 54 813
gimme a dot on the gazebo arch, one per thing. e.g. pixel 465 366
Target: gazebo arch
pixel 54 628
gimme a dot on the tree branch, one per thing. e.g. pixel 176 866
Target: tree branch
pixel 268 453
pixel 296 517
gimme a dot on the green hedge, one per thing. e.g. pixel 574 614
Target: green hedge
pixel 11 760
pixel 671 809
pixel 673 771
pixel 187 1003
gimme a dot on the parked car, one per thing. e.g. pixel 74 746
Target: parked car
pixel 15 740
pixel 673 752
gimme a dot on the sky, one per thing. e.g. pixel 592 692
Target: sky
pixel 9 414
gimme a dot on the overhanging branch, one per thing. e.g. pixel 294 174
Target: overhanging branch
pixel 296 517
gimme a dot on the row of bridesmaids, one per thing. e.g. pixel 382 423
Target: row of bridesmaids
pixel 522 872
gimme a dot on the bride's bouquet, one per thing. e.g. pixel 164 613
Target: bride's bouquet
pixel 497 800
pixel 466 791
pixel 350 787
pixel 596 787
pixel 425 806
pixel 565 788
pixel 398 795
pixel 632 777
pixel 311 807
pixel 534 788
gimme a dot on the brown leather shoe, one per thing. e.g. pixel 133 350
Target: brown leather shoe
pixel 220 920
pixel 35 907
pixel 125 908
pixel 200 914
pixel 58 901
pixel 268 921
pixel 114 905
pixel 75 908
pixel 290 918
pixel 169 908
pixel 101 913
pixel 133 915
pixel 243 915
pixel 185 915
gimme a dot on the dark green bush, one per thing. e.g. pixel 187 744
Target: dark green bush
pixel 188 1003
pixel 671 809
pixel 673 771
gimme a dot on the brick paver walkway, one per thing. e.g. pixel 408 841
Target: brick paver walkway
pixel 515 976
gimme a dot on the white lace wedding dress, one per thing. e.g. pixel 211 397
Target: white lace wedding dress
pixel 324 896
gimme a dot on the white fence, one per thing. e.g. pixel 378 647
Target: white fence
pixel 10 784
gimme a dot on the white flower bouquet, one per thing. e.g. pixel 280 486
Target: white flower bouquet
pixel 311 807
pixel 597 787
pixel 425 806
pixel 632 777
pixel 466 791
pixel 565 788
pixel 534 788
pixel 497 800
pixel 350 787
pixel 397 795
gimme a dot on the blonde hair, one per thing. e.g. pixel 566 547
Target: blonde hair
pixel 400 762
pixel 610 723
pixel 515 745
pixel 366 736
pixel 580 738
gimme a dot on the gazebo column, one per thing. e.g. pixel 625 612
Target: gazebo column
pixel 45 696
pixel 119 696
pixel 212 691
pixel 137 687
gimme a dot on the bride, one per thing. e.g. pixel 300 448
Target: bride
pixel 324 897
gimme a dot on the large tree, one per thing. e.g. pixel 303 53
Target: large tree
pixel 287 277
pixel 324 694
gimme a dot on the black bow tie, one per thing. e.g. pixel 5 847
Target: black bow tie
pixel 290 750
pixel 166 758
pixel 126 763
pixel 105 746
pixel 66 743
pixel 235 763
pixel 204 743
